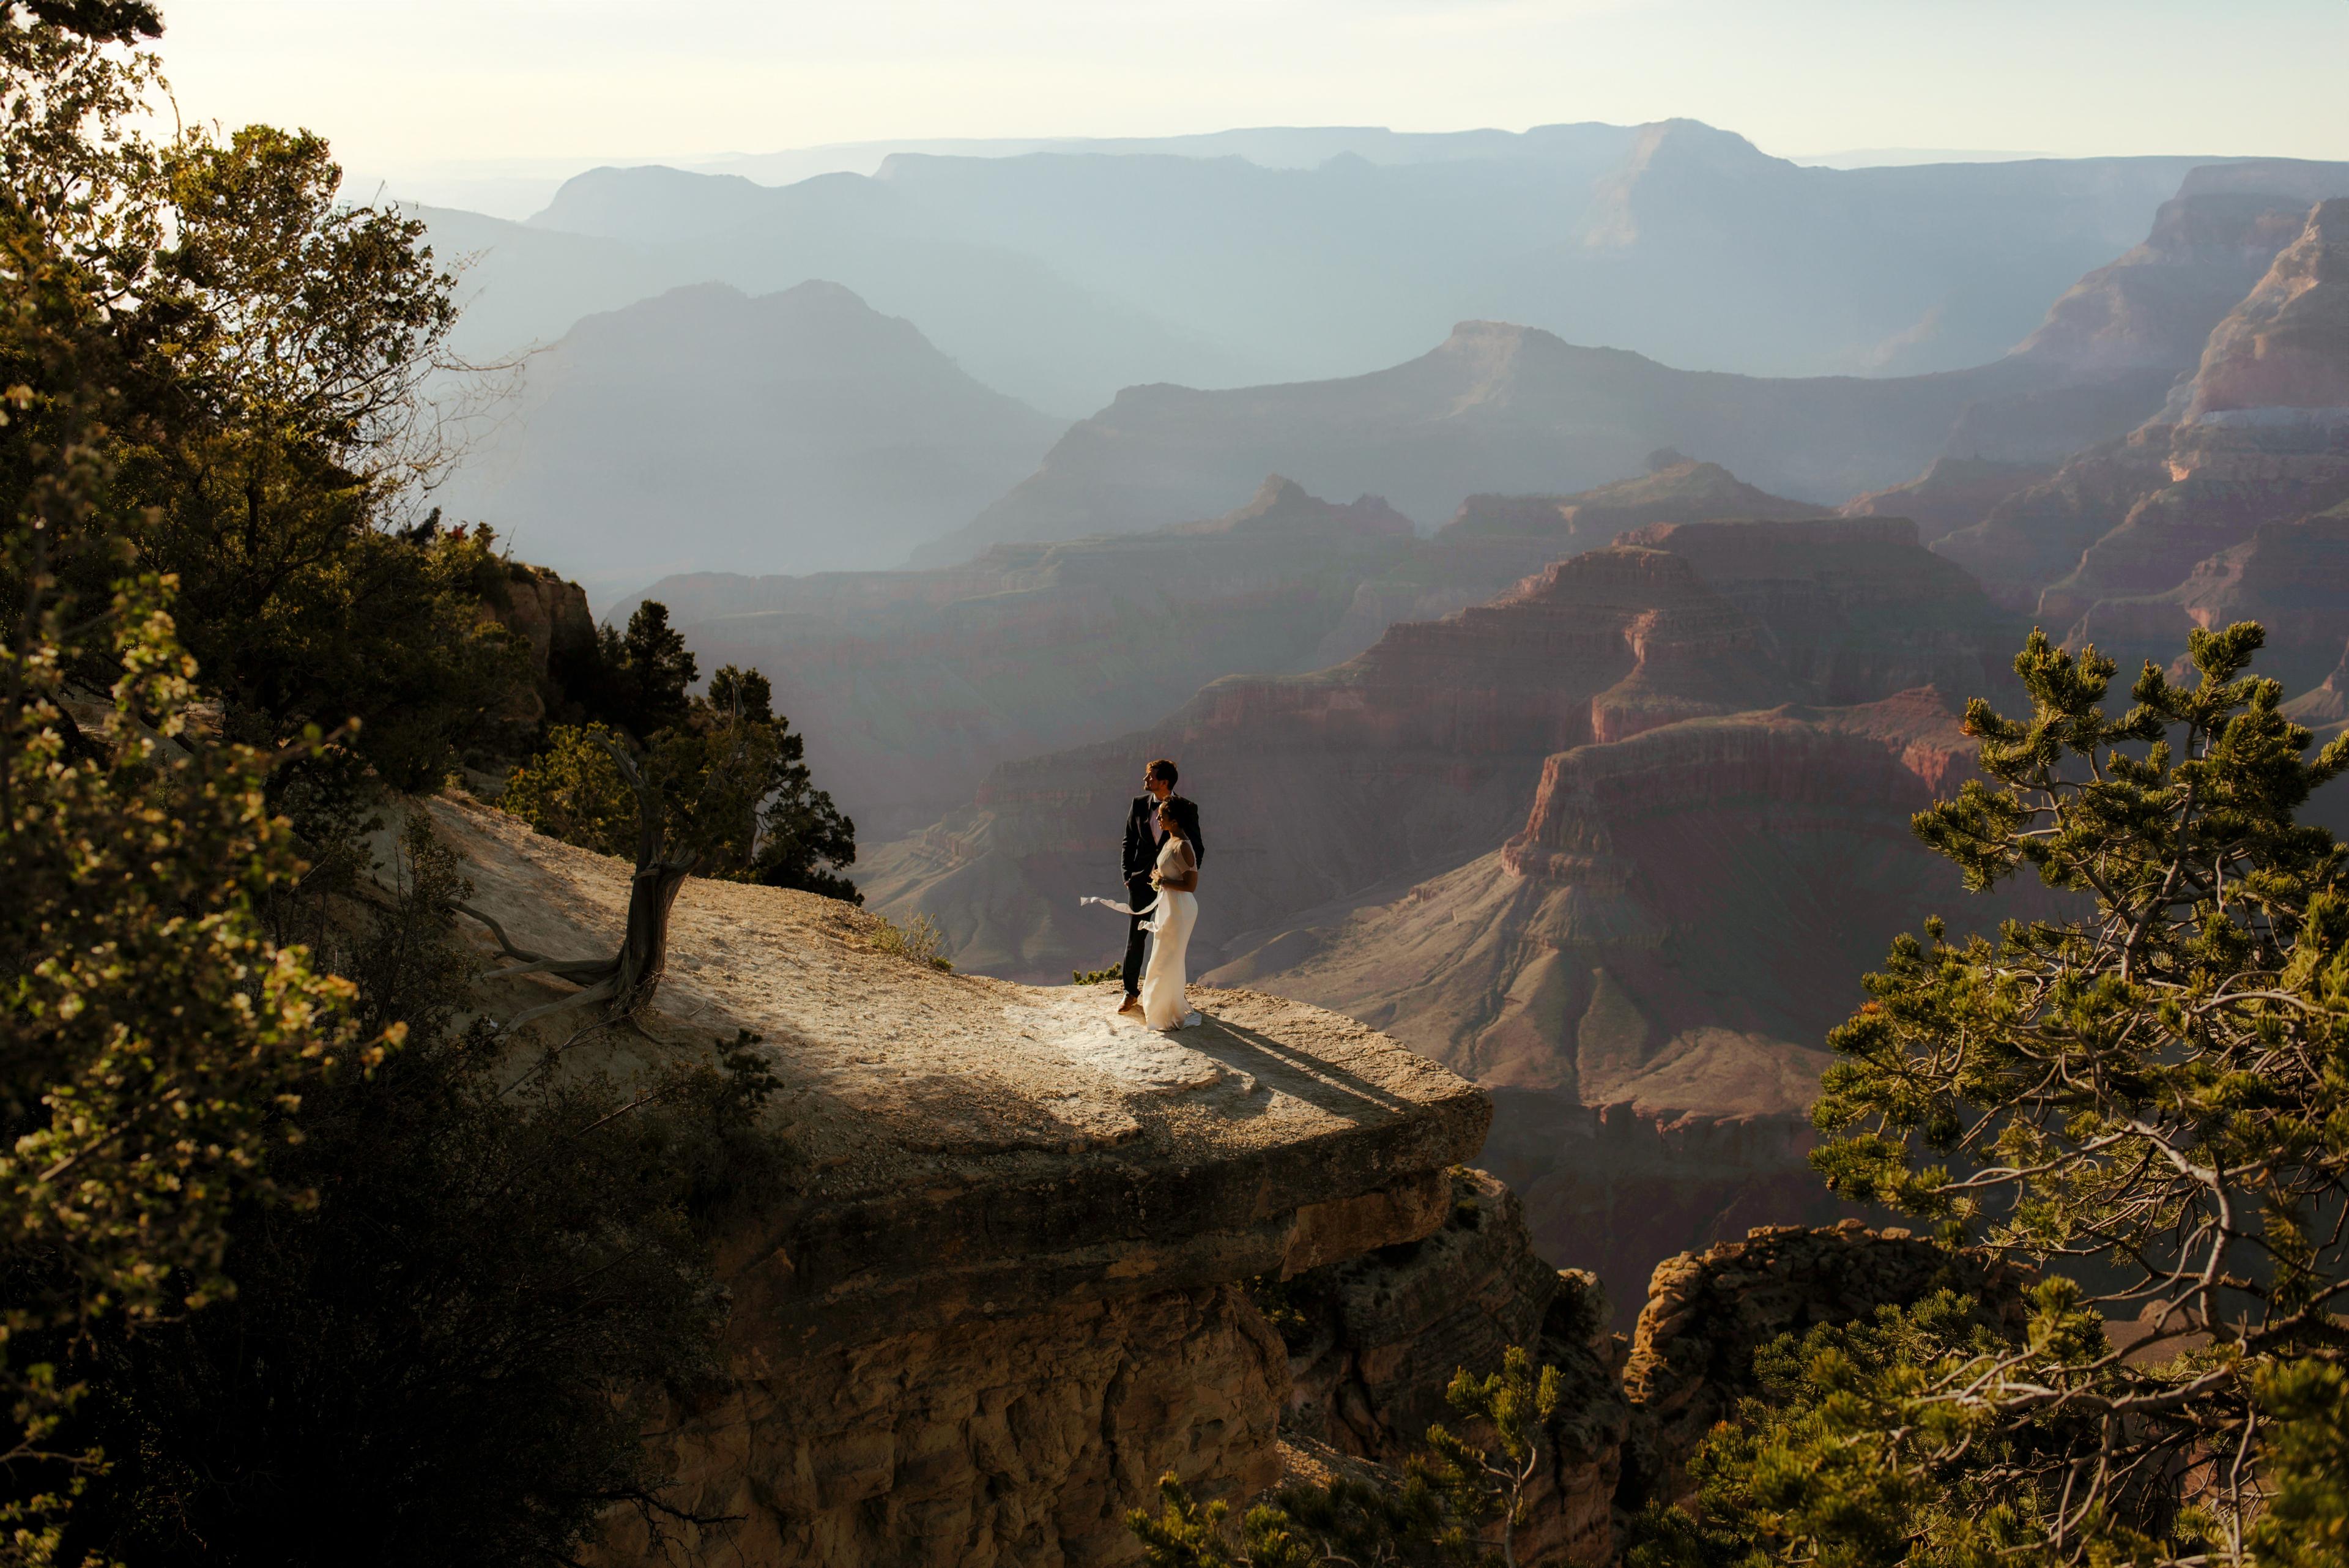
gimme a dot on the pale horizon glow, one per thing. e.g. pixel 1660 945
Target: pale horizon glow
pixel 531 91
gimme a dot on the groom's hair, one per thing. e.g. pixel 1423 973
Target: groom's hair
pixel 1164 769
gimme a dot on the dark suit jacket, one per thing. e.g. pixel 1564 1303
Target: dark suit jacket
pixel 1141 840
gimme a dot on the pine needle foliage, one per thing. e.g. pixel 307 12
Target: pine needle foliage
pixel 2147 1098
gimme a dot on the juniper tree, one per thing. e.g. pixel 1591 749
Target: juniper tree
pixel 2147 1098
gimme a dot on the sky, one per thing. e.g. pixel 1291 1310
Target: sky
pixel 522 89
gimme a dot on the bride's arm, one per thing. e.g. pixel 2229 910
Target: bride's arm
pixel 1188 882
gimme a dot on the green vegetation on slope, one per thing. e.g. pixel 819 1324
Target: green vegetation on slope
pixel 297 1248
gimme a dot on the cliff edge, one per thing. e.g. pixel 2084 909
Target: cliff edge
pixel 997 1292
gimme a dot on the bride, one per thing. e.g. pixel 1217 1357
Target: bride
pixel 1168 919
pixel 1177 877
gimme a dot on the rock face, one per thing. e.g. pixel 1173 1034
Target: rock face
pixel 997 1295
pixel 1681 918
pixel 551 616
pixel 1374 1341
pixel 2154 308
pixel 911 685
pixel 1425 752
pixel 796 431
pixel 2291 577
pixel 1408 758
pixel 1493 541
pixel 1707 1313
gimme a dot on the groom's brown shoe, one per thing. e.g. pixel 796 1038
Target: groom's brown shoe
pixel 1133 1003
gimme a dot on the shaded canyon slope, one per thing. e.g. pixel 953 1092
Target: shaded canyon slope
pixel 799 430
pixel 2204 514
pixel 911 685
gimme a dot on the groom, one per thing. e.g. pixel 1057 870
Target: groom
pixel 1142 839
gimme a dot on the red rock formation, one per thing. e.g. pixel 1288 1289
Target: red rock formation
pixel 1495 540
pixel 2154 308
pixel 1680 919
pixel 1412 756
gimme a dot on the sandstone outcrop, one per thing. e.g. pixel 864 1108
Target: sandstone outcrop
pixel 1413 757
pixel 2154 308
pixel 1493 541
pixel 551 616
pixel 1424 752
pixel 2291 577
pixel 1707 1313
pixel 999 1292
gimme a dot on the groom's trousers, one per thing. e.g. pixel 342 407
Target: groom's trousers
pixel 1139 892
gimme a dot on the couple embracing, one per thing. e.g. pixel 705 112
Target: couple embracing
pixel 1161 865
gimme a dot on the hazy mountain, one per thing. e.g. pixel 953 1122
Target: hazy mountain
pixel 798 430
pixel 1701 251
pixel 1005 316
pixel 1503 408
pixel 1062 274
pixel 910 686
pixel 1273 147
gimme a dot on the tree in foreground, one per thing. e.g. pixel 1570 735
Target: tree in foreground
pixel 2147 1098
pixel 291 1254
pixel 729 773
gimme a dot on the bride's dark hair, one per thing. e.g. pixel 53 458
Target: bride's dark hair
pixel 1174 822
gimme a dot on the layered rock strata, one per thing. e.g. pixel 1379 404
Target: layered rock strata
pixel 997 1294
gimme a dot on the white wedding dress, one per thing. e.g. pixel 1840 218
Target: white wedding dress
pixel 1163 1005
